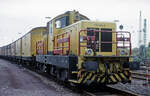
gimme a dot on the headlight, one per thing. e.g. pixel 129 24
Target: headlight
pixel 122 52
pixel 81 38
pixel 88 51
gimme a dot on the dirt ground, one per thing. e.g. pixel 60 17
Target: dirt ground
pixel 18 81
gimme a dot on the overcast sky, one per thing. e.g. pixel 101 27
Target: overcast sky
pixel 17 17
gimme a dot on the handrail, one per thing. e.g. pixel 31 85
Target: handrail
pixel 118 39
pixel 61 39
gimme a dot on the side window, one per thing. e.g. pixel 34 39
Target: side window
pixel 62 22
pixel 58 24
pixel 81 18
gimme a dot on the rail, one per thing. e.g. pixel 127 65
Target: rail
pixel 140 76
pixel 110 91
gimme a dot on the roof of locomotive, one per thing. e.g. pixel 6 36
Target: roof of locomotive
pixel 88 21
pixel 27 33
pixel 68 12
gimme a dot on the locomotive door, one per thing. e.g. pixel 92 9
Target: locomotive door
pixel 106 40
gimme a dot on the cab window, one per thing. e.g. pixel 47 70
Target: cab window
pixel 62 22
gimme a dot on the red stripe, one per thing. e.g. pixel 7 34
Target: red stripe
pixel 63 40
pixel 57 51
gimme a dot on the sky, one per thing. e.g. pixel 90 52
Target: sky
pixel 18 17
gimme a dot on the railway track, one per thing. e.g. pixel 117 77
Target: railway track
pixel 102 91
pixel 109 91
pixel 140 76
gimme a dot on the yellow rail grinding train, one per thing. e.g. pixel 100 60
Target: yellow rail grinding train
pixel 75 49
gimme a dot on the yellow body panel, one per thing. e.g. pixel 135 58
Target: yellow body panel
pixel 4 50
pixel 1 50
pixel 100 25
pixel 115 67
pixel 13 49
pixel 26 45
pixel 37 35
pixel 45 40
pixel 74 16
pixel 83 25
pixel 18 47
pixel 30 39
pixel 8 50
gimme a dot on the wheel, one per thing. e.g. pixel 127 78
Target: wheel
pixel 51 70
pixel 58 74
pixel 43 67
pixel 64 75
pixel 73 84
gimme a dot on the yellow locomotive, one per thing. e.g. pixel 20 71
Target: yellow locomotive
pixel 79 51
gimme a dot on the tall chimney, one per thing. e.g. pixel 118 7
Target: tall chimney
pixel 140 29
